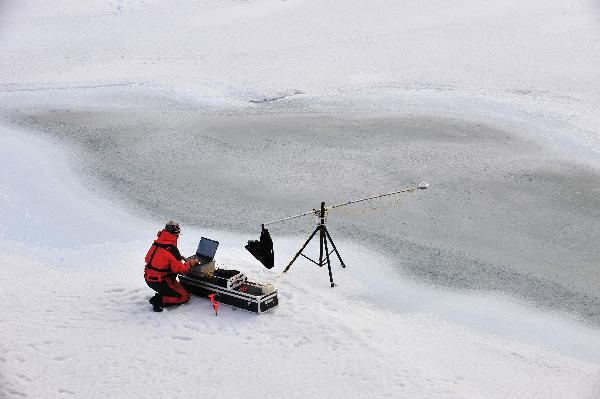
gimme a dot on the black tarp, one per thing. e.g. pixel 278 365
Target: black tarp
pixel 262 249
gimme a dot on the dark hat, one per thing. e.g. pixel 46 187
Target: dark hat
pixel 173 227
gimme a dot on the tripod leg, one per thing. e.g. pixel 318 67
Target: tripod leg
pixel 301 249
pixel 328 261
pixel 321 241
pixel 334 248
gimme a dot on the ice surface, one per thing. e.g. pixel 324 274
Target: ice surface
pixel 82 323
pixel 108 110
pixel 236 171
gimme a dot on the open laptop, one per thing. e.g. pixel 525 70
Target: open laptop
pixel 206 251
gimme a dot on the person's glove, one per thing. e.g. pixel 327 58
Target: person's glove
pixel 192 261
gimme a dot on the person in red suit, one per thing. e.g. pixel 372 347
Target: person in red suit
pixel 163 264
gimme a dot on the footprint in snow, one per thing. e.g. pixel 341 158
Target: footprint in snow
pixel 114 290
pixel 181 338
pixel 24 377
pixel 15 392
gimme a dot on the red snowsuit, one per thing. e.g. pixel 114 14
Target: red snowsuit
pixel 163 263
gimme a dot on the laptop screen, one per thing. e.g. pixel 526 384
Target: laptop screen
pixel 207 248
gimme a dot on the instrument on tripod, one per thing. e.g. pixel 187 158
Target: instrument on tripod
pixel 263 249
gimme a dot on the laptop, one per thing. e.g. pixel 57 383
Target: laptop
pixel 206 251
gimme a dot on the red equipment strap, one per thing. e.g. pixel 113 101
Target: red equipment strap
pixel 214 303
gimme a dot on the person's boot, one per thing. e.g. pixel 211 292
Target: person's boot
pixel 156 301
pixel 156 308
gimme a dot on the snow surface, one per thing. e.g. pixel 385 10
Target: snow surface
pixel 76 322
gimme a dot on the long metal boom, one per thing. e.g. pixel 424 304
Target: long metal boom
pixel 406 190
pixel 292 217
pixel 423 185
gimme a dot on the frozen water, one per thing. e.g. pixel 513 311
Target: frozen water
pixel 119 115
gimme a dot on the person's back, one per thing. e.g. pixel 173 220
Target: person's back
pixel 163 264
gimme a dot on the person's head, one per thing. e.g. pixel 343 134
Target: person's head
pixel 173 227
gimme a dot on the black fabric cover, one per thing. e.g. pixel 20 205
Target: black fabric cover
pixel 262 249
pixel 225 273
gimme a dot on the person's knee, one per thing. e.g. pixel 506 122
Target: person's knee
pixel 178 300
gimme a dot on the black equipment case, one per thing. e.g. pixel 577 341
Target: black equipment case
pixel 231 288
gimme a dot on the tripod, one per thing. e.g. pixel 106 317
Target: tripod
pixel 323 247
